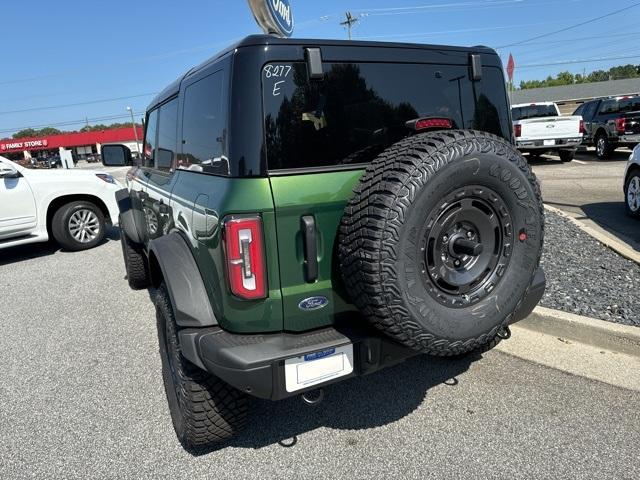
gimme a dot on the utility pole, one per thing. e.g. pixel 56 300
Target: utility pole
pixel 349 22
pixel 135 129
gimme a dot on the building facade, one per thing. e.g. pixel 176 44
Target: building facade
pixel 82 144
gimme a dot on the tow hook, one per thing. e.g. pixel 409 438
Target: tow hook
pixel 313 397
pixel 504 333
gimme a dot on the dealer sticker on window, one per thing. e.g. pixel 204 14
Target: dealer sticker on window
pixel 318 367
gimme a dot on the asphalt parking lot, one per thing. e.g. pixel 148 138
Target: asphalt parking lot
pixel 82 397
pixel 590 190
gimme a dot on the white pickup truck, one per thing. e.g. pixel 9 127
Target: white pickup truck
pixel 73 206
pixel 540 128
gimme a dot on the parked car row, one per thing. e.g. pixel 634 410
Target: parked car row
pixel 540 128
pixel 605 123
pixel 610 123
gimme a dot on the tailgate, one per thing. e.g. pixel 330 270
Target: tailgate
pixel 319 199
pixel 550 128
pixel 632 123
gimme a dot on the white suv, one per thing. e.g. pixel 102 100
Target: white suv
pixel 632 184
pixel 73 206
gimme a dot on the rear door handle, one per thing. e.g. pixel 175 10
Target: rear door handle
pixel 309 236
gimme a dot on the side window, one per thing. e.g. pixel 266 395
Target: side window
pixel 167 135
pixel 150 139
pixel 204 125
pixel 608 106
pixel 580 109
pixel 589 110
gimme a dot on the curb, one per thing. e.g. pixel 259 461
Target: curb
pixel 618 246
pixel 598 333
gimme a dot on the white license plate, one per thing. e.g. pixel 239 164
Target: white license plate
pixel 549 142
pixel 318 367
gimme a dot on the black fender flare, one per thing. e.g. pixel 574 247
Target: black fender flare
pixel 127 215
pixel 189 298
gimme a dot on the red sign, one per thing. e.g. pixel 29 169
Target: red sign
pixel 69 140
pixel 511 67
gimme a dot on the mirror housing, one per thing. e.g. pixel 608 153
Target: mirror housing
pixel 116 156
pixel 7 172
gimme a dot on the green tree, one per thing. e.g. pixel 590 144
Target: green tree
pixel 48 131
pixel 598 76
pixel 27 132
pixel 567 78
pixel 30 132
pixel 624 71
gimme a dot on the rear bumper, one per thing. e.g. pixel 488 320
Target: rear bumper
pixel 629 139
pixel 254 364
pixel 559 144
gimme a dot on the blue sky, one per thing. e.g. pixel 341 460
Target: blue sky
pixel 79 51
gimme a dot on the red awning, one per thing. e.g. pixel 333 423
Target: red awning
pixel 69 140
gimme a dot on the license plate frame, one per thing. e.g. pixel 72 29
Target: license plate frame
pixel 318 367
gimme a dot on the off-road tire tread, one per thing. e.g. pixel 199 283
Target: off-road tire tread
pixel 135 263
pixel 370 228
pixel 212 411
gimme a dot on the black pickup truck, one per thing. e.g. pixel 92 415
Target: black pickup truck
pixel 610 123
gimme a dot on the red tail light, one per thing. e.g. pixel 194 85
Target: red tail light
pixel 246 262
pixel 621 125
pixel 582 130
pixel 517 130
pixel 429 124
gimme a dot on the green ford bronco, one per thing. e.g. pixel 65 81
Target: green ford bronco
pixel 308 211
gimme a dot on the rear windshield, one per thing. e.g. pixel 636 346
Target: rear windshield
pixel 628 104
pixel 359 109
pixel 533 111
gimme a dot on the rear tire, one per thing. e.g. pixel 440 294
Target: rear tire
pixel 401 232
pixel 632 195
pixel 603 146
pixel 78 225
pixel 135 262
pixel 567 155
pixel 204 410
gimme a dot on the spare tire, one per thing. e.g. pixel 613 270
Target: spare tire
pixel 442 239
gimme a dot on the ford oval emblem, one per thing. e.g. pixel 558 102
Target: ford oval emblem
pixel 313 303
pixel 274 16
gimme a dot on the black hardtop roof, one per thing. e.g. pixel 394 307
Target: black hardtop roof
pixel 270 40
pixel 265 40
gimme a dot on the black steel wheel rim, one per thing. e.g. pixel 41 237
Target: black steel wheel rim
pixel 467 243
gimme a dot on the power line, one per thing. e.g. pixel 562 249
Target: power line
pixel 93 102
pixel 464 30
pixel 159 56
pixel 541 54
pixel 72 122
pixel 571 27
pixel 572 62
pixel 577 39
pixel 349 23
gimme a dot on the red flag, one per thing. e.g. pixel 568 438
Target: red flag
pixel 511 66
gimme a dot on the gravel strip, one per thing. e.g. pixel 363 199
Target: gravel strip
pixel 586 278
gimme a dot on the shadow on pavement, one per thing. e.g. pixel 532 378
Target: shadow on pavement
pixel 360 403
pixel 621 155
pixel 612 217
pixel 36 250
pixel 542 160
